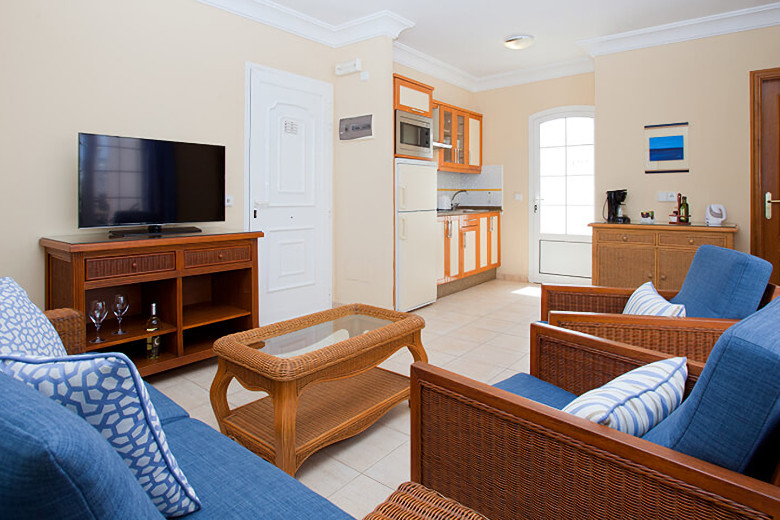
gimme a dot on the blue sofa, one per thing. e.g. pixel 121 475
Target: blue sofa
pixel 53 464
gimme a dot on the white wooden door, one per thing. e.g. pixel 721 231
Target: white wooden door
pixel 562 195
pixel 289 190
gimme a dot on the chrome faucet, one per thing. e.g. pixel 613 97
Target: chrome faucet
pixel 453 204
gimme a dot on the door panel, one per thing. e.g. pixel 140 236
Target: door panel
pixel 565 258
pixel 416 259
pixel 483 241
pixel 441 235
pixel 290 191
pixel 765 167
pixel 673 265
pixel 636 265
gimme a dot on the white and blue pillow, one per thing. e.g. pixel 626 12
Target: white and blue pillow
pixel 107 391
pixel 23 326
pixel 636 401
pixel 646 301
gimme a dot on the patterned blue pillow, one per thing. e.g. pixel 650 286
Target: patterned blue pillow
pixel 24 328
pixel 636 401
pixel 646 301
pixel 107 391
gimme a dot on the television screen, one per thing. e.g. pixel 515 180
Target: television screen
pixel 128 181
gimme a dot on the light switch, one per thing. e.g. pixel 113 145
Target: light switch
pixel 228 200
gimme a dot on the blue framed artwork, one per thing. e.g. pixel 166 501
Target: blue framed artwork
pixel 666 148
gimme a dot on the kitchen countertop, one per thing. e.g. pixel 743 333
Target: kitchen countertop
pixel 467 210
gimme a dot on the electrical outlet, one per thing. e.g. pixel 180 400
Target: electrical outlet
pixel 667 196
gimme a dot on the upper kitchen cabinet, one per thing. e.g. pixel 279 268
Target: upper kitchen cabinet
pixel 459 133
pixel 412 96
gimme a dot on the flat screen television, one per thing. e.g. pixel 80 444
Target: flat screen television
pixel 127 181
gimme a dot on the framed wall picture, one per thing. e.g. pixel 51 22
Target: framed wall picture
pixel 666 148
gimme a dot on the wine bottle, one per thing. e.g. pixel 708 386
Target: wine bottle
pixel 153 342
pixel 684 211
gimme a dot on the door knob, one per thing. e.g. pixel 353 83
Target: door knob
pixel 768 201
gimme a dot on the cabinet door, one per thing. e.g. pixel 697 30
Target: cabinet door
pixel 493 229
pixel 412 97
pixel 484 225
pixel 625 266
pixel 441 230
pixel 469 236
pixel 474 154
pixel 453 235
pixel 446 118
pixel 673 265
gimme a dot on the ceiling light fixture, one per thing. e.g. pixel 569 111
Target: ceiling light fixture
pixel 518 41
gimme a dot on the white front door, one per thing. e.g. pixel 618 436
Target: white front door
pixel 562 195
pixel 289 190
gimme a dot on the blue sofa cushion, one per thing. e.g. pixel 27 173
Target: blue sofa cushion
pixel 167 410
pixel 723 283
pixel 107 391
pixel 234 483
pixel 733 411
pixel 23 327
pixel 537 390
pixel 55 465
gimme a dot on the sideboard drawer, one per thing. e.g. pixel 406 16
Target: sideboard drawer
pixel 111 267
pixel 627 237
pixel 224 255
pixel 690 240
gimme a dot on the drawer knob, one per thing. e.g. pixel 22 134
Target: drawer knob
pixel 134 265
pixel 663 277
pixel 650 276
pixel 219 256
pixel 690 241
pixel 625 238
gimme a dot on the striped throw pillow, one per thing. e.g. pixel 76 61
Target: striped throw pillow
pixel 636 401
pixel 648 302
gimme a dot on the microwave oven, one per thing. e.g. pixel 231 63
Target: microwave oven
pixel 413 135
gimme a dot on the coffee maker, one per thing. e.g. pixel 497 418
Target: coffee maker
pixel 615 199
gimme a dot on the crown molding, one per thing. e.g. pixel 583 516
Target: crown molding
pixel 382 23
pixel 422 62
pixel 695 28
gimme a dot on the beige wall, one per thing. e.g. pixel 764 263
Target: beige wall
pixel 363 180
pixel 168 70
pixel 704 82
pixel 505 137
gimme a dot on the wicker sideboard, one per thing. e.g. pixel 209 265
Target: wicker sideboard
pixel 628 255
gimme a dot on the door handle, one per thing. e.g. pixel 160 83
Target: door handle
pixel 402 197
pixel 768 201
pixel 403 228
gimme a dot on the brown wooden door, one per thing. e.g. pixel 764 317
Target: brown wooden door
pixel 765 167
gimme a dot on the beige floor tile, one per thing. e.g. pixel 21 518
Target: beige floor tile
pixel 494 324
pixel 499 356
pixel 506 374
pixel 475 369
pixel 206 414
pixel 187 394
pixel 510 341
pixel 325 475
pixel 361 496
pixel 202 373
pixel 524 365
pixel 243 396
pixel 398 418
pixel 473 332
pixel 367 448
pixel 453 345
pixel 393 469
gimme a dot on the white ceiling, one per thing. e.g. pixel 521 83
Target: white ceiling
pixel 462 39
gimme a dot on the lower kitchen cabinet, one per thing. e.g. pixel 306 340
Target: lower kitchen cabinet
pixel 470 244
pixel 628 255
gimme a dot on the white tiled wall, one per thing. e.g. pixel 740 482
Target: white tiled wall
pixel 484 189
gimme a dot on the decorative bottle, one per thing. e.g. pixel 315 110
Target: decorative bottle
pixel 153 342
pixel 685 216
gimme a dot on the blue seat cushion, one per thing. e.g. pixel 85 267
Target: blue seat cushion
pixel 723 283
pixel 53 464
pixel 234 483
pixel 528 386
pixel 733 411
pixel 167 410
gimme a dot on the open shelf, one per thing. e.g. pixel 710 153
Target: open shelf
pixel 200 314
pixel 135 327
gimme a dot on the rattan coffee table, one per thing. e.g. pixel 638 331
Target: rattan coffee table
pixel 320 372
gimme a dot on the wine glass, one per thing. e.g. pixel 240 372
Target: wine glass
pixel 97 313
pixel 120 308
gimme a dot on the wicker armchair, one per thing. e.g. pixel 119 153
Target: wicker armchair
pixel 508 457
pixel 70 324
pixel 598 310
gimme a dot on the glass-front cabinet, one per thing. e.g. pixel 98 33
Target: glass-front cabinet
pixel 460 133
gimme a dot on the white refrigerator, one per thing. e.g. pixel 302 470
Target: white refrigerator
pixel 415 233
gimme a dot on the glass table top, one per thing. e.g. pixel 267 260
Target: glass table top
pixel 319 336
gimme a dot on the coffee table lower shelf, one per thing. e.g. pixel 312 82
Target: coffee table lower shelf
pixel 327 412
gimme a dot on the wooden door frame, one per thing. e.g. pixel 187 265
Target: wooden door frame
pixel 757 77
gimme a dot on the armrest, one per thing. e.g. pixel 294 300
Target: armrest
pixel 587 298
pixel 70 324
pixel 691 337
pixel 580 362
pixel 508 457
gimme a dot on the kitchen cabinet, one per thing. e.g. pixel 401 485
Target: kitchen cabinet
pixel 470 245
pixel 441 238
pixel 461 131
pixel 628 255
pixel 412 96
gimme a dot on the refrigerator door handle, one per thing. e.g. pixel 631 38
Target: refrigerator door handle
pixel 402 196
pixel 403 228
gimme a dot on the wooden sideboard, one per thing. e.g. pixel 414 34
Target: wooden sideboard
pixel 628 255
pixel 205 286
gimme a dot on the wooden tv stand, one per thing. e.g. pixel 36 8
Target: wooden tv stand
pixel 205 286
